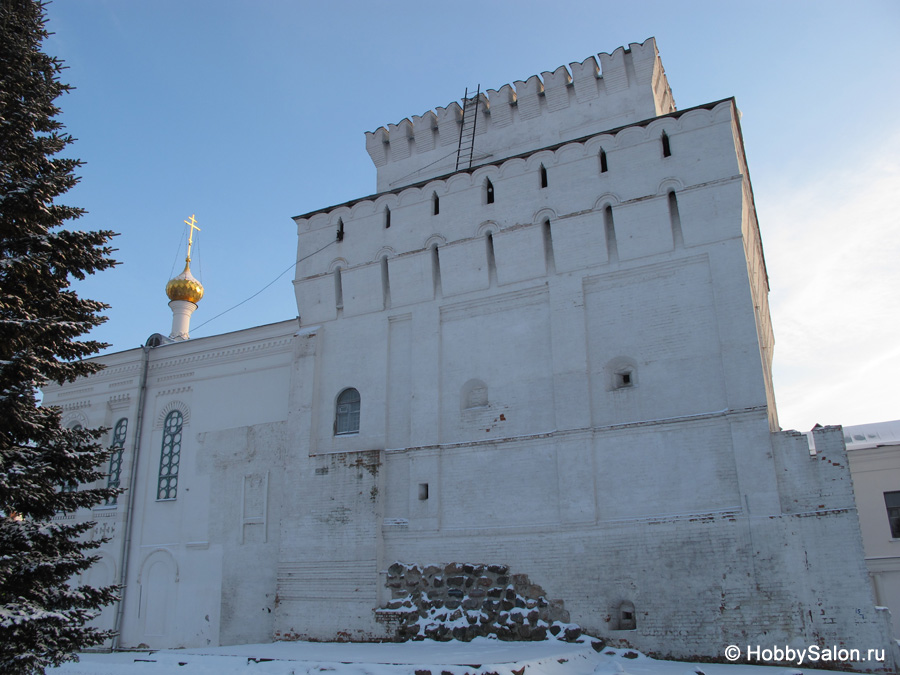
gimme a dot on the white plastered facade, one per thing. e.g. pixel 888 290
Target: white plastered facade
pixel 579 373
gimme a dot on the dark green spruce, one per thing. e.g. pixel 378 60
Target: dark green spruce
pixel 43 608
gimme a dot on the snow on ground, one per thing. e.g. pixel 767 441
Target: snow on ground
pixel 479 657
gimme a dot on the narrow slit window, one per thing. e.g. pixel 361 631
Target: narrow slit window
pixel 489 191
pixel 667 150
pixel 544 182
pixel 491 262
pixel 338 289
pixel 436 270
pixel 548 247
pixel 612 247
pixel 387 217
pixel 385 282
pixel 346 415
pixel 120 431
pixel 604 167
pixel 170 456
pixel 675 219
pixel 435 204
pixel 340 230
pixel 423 492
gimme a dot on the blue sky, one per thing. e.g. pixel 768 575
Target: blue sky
pixel 246 113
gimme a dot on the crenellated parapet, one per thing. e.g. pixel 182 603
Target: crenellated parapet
pixel 600 93
pixel 385 255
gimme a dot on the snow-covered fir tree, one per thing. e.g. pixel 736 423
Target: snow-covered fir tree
pixel 43 610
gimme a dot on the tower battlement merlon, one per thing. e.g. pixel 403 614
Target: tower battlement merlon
pixel 599 93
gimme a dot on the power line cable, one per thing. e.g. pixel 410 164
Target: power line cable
pixel 289 268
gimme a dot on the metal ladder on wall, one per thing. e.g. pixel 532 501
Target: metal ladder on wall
pixel 466 149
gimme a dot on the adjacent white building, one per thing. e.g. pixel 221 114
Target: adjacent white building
pixel 874 454
pixel 554 357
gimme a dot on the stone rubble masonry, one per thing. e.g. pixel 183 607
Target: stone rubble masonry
pixel 462 601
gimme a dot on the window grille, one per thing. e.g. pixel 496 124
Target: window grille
pixel 346 418
pixel 169 458
pixel 115 459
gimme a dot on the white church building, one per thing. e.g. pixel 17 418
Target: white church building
pixel 541 350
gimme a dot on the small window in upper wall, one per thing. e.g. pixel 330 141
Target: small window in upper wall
pixel 346 415
pixel 340 230
pixel 892 502
pixel 604 167
pixel 544 182
pixel 435 204
pixel 423 491
pixel 489 191
pixel 387 217
pixel 667 150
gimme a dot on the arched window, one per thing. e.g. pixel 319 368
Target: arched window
pixel 115 459
pixel 338 289
pixel 544 181
pixel 675 219
pixel 385 283
pixel 346 412
pixel 474 395
pixel 666 148
pixel 387 217
pixel 604 167
pixel 612 248
pixel 436 270
pixel 489 191
pixel 69 485
pixel 170 457
pixel 435 203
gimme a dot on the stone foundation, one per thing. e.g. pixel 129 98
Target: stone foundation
pixel 462 601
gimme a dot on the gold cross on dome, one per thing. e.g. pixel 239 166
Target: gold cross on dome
pixel 193 226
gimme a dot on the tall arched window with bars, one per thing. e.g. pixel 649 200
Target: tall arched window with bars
pixel 170 457
pixel 70 485
pixel 115 458
pixel 346 417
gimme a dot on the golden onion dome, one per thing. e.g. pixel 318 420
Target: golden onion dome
pixel 185 286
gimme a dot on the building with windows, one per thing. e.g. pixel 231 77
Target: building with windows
pixel 874 454
pixel 549 357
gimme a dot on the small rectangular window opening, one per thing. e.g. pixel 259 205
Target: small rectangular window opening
pixel 667 150
pixel 544 182
pixel 624 379
pixel 489 191
pixel 604 167
pixel 435 204
pixel 387 217
pixel 340 230
pixel 423 491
